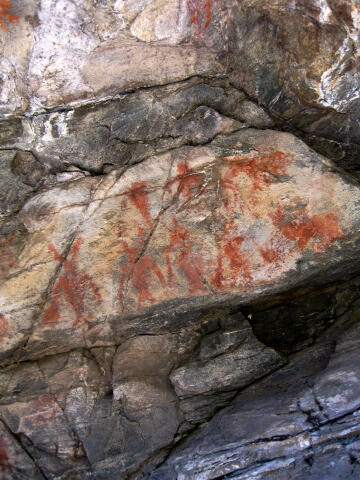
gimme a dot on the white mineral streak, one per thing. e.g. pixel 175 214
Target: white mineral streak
pixel 331 87
pixel 355 15
pixel 7 67
pixel 354 32
pixel 43 131
pixel 325 11
pixel 62 41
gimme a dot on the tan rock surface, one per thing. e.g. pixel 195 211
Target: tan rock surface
pixel 250 213
pixel 165 255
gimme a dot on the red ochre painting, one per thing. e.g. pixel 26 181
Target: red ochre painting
pixel 72 287
pixel 3 327
pixel 141 270
pixel 244 181
pixel 250 237
pixel 200 14
pixel 5 15
pixel 7 253
pixel 45 410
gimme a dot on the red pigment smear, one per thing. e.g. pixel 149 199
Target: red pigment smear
pixel 188 183
pixel 73 286
pixel 200 13
pixel 5 6
pixel 131 255
pixel 269 255
pixel 139 270
pixel 180 250
pixel 5 466
pixel 6 249
pixel 238 264
pixel 140 279
pixel 3 327
pixel 259 168
pixel 44 410
pixel 303 229
pixel 218 279
pixel 139 197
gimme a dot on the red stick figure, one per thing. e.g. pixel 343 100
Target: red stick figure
pixel 138 269
pixel 73 286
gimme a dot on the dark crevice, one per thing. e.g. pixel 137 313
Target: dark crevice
pixel 104 101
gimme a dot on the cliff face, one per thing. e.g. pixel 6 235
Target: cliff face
pixel 179 240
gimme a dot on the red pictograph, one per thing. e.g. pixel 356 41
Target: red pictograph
pixel 138 270
pixel 72 287
pixel 179 253
pixel 316 231
pixel 3 327
pixel 200 13
pixel 5 6
pixel 260 168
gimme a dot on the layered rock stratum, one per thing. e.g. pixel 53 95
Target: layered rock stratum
pixel 179 240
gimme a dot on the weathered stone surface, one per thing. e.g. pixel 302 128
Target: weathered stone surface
pixel 252 212
pixel 129 129
pixel 104 404
pixel 236 368
pixel 13 191
pixel 112 68
pixel 298 322
pixel 103 38
pixel 14 462
pixel 110 412
pixel 288 426
pixel 179 290
pixel 308 75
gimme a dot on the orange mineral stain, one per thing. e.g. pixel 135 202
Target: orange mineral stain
pixel 269 255
pixel 141 279
pixel 73 286
pixel 44 410
pixel 207 13
pixel 7 250
pixel 11 262
pixel 187 184
pixel 5 6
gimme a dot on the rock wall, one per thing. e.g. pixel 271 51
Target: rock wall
pixel 179 239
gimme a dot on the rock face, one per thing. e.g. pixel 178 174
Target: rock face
pixel 179 240
pixel 286 426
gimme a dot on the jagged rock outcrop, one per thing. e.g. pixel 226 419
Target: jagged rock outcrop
pixel 291 425
pixel 179 240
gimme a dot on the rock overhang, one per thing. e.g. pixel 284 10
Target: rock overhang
pixel 249 214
